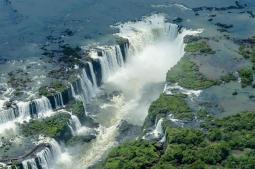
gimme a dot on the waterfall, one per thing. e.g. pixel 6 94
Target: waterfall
pixel 119 56
pixel 163 140
pixel 76 127
pixel 75 124
pixel 45 158
pixel 58 99
pixel 93 75
pixel 110 61
pixel 87 87
pixel 74 95
pixel 158 131
pixel 42 106
pixel 172 31
pixel 29 164
pixel 146 32
pixel 7 115
pixel 23 111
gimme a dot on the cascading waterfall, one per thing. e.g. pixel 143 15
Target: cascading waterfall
pixel 87 87
pixel 76 127
pixel 110 61
pixel 158 131
pixel 45 158
pixel 7 115
pixel 91 69
pixel 151 41
pixel 140 35
pixel 29 164
pixel 42 107
pixel 75 124
pixel 58 99
pixel 24 111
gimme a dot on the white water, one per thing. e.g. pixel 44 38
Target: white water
pixel 42 108
pixel 87 87
pixel 29 164
pixel 94 81
pixel 157 132
pixel 75 96
pixel 46 157
pixel 58 98
pixel 154 48
pixel 169 87
pixel 7 115
pixel 110 61
pixel 76 127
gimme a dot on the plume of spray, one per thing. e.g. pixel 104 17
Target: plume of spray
pixel 154 47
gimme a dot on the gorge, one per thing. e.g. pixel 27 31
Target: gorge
pixel 156 85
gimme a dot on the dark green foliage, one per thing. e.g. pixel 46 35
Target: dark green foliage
pixel 248 52
pixel 245 162
pixel 186 74
pixel 246 77
pixel 52 89
pixel 184 136
pixel 201 47
pixel 134 155
pixel 215 135
pixel 77 108
pixel 55 127
pixel 228 77
pixel 214 153
pixel 195 149
pixel 166 104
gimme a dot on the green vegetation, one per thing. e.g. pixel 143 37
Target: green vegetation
pixel 223 143
pixel 186 74
pixel 55 127
pixel 248 52
pixel 200 47
pixel 228 78
pixel 77 108
pixel 133 155
pixel 246 77
pixel 52 89
pixel 167 104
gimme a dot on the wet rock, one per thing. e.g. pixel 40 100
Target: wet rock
pixel 251 14
pixel 68 32
pixel 127 131
pixel 80 139
pixel 234 93
pixel 208 8
pixel 177 20
pixel 224 26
